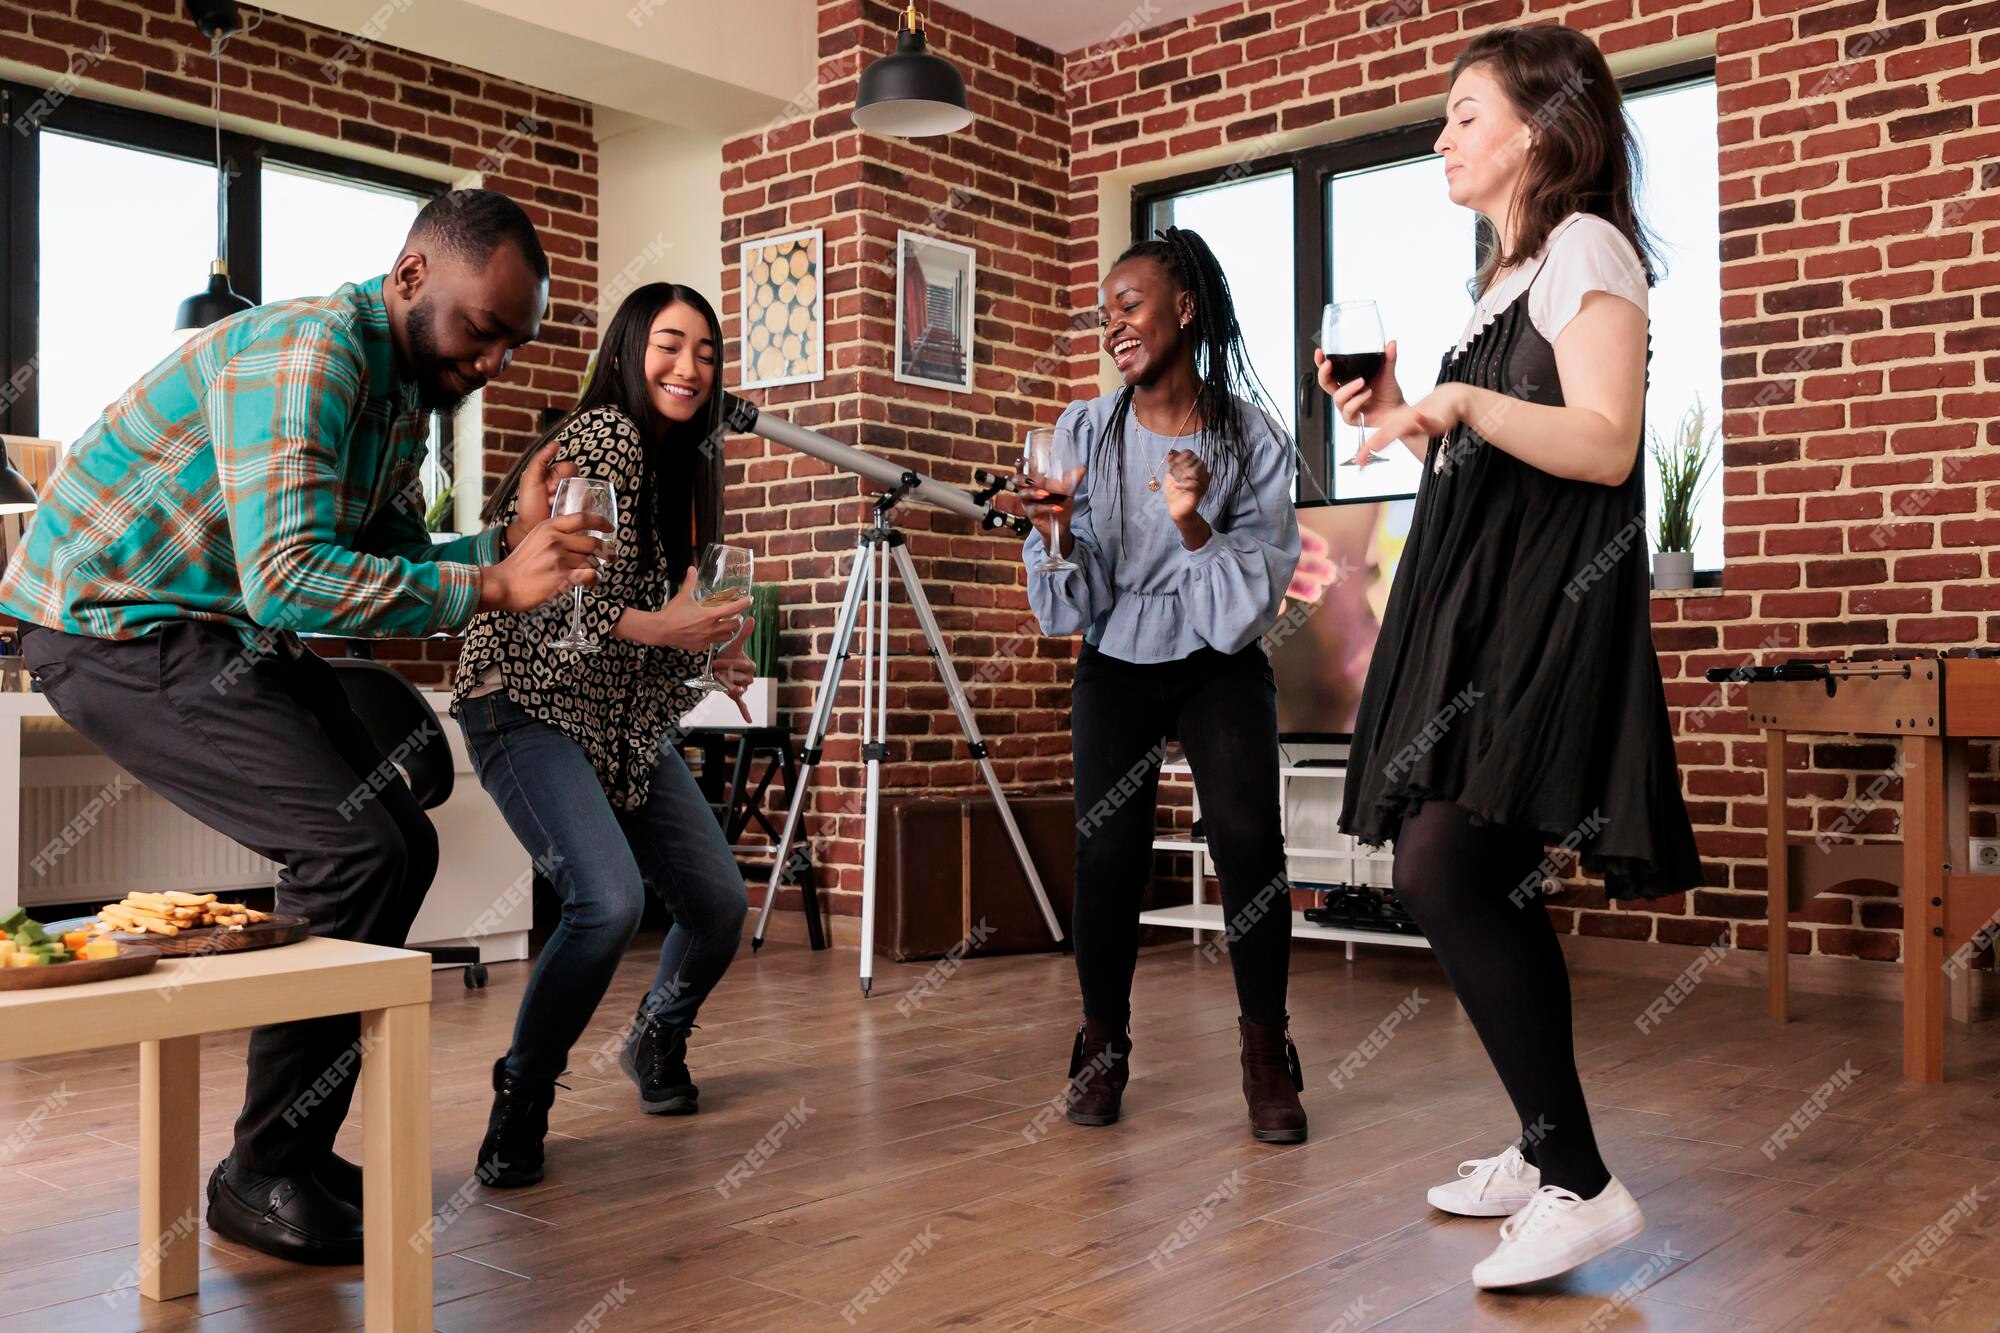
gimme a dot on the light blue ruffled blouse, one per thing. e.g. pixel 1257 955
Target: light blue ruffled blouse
pixel 1138 594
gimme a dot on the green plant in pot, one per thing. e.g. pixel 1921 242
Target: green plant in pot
pixel 1683 466
pixel 437 518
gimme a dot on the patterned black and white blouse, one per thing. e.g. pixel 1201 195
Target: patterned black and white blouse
pixel 617 703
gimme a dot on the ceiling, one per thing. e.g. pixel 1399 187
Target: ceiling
pixel 1071 25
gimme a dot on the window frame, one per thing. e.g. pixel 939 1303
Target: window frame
pixel 1313 168
pixel 149 132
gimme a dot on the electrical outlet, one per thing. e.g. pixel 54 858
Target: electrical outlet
pixel 1986 855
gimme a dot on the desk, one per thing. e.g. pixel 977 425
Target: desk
pixel 1930 706
pixel 54 785
pixel 168 1009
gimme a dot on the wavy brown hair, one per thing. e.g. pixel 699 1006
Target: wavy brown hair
pixel 1585 157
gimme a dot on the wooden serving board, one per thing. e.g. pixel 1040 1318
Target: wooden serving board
pixel 132 959
pixel 203 939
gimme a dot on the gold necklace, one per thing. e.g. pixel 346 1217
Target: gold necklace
pixel 1153 482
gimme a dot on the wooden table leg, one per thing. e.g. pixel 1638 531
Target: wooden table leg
pixel 1923 908
pixel 1777 855
pixel 169 1167
pixel 396 1214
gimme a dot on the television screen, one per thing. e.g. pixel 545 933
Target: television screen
pixel 1333 610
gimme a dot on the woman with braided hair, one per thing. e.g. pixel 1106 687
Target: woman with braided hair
pixel 1183 538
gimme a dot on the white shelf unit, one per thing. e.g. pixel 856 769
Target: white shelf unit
pixel 1341 859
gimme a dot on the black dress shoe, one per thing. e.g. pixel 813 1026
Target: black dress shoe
pixel 290 1217
pixel 341 1178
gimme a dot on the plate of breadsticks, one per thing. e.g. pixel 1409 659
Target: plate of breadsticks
pixel 178 923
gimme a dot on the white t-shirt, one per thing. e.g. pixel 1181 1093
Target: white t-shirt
pixel 1584 253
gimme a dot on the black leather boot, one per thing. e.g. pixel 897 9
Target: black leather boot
pixel 1272 1081
pixel 510 1155
pixel 655 1058
pixel 1099 1065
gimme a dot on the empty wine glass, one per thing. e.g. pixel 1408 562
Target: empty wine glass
pixel 1350 333
pixel 723 577
pixel 584 495
pixel 1054 463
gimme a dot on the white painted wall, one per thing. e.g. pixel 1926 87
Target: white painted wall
pixel 659 208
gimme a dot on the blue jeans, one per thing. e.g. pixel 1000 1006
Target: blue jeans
pixel 601 858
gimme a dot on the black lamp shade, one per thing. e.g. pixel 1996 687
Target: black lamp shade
pixel 911 94
pixel 16 495
pixel 205 308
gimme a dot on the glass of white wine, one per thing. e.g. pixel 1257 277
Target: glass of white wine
pixel 723 577
pixel 584 495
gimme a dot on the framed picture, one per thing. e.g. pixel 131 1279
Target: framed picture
pixel 784 309
pixel 934 293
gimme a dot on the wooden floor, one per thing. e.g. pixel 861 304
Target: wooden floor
pixel 907 1160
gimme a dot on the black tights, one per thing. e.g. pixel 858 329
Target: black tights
pixel 1460 882
pixel 1224 709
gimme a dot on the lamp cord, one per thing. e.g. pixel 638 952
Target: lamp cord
pixel 221 176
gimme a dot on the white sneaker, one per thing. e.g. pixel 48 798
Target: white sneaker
pixel 1557 1231
pixel 1488 1186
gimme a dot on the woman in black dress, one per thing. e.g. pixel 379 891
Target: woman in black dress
pixel 1514 698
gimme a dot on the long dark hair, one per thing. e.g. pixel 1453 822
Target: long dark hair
pixel 1224 378
pixel 683 461
pixel 1585 158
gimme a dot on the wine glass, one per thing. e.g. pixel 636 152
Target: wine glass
pixel 1350 333
pixel 584 495
pixel 1054 463
pixel 723 577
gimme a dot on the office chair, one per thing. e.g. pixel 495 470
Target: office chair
pixel 393 711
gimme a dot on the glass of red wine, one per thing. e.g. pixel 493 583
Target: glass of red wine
pixel 1350 333
pixel 1053 462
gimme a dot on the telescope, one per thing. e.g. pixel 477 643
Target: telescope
pixel 747 418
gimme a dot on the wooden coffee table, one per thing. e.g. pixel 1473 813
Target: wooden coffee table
pixel 168 1009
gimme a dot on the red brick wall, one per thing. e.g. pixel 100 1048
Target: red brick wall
pixel 998 186
pixel 1856 154
pixel 538 149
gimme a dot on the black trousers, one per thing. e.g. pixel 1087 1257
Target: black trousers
pixel 1224 709
pixel 263 749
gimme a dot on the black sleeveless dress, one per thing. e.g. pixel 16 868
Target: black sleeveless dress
pixel 1515 673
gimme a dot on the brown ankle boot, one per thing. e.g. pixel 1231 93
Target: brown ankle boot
pixel 1099 1064
pixel 1272 1082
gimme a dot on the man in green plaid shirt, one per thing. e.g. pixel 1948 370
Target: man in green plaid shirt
pixel 259 483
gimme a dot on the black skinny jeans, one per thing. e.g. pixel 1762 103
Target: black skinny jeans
pixel 1224 709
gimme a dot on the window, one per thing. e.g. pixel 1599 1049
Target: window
pixel 1235 219
pixel 109 223
pixel 1370 212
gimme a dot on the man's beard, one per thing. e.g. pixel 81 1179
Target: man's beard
pixel 426 366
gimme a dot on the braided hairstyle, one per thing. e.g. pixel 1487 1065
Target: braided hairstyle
pixel 1225 379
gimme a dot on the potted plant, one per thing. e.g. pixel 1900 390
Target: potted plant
pixel 437 517
pixel 1683 470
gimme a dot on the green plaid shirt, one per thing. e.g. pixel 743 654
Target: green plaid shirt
pixel 264 475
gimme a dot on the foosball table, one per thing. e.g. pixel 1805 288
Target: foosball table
pixel 1932 706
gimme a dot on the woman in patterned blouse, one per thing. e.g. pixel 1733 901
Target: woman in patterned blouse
pixel 579 749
